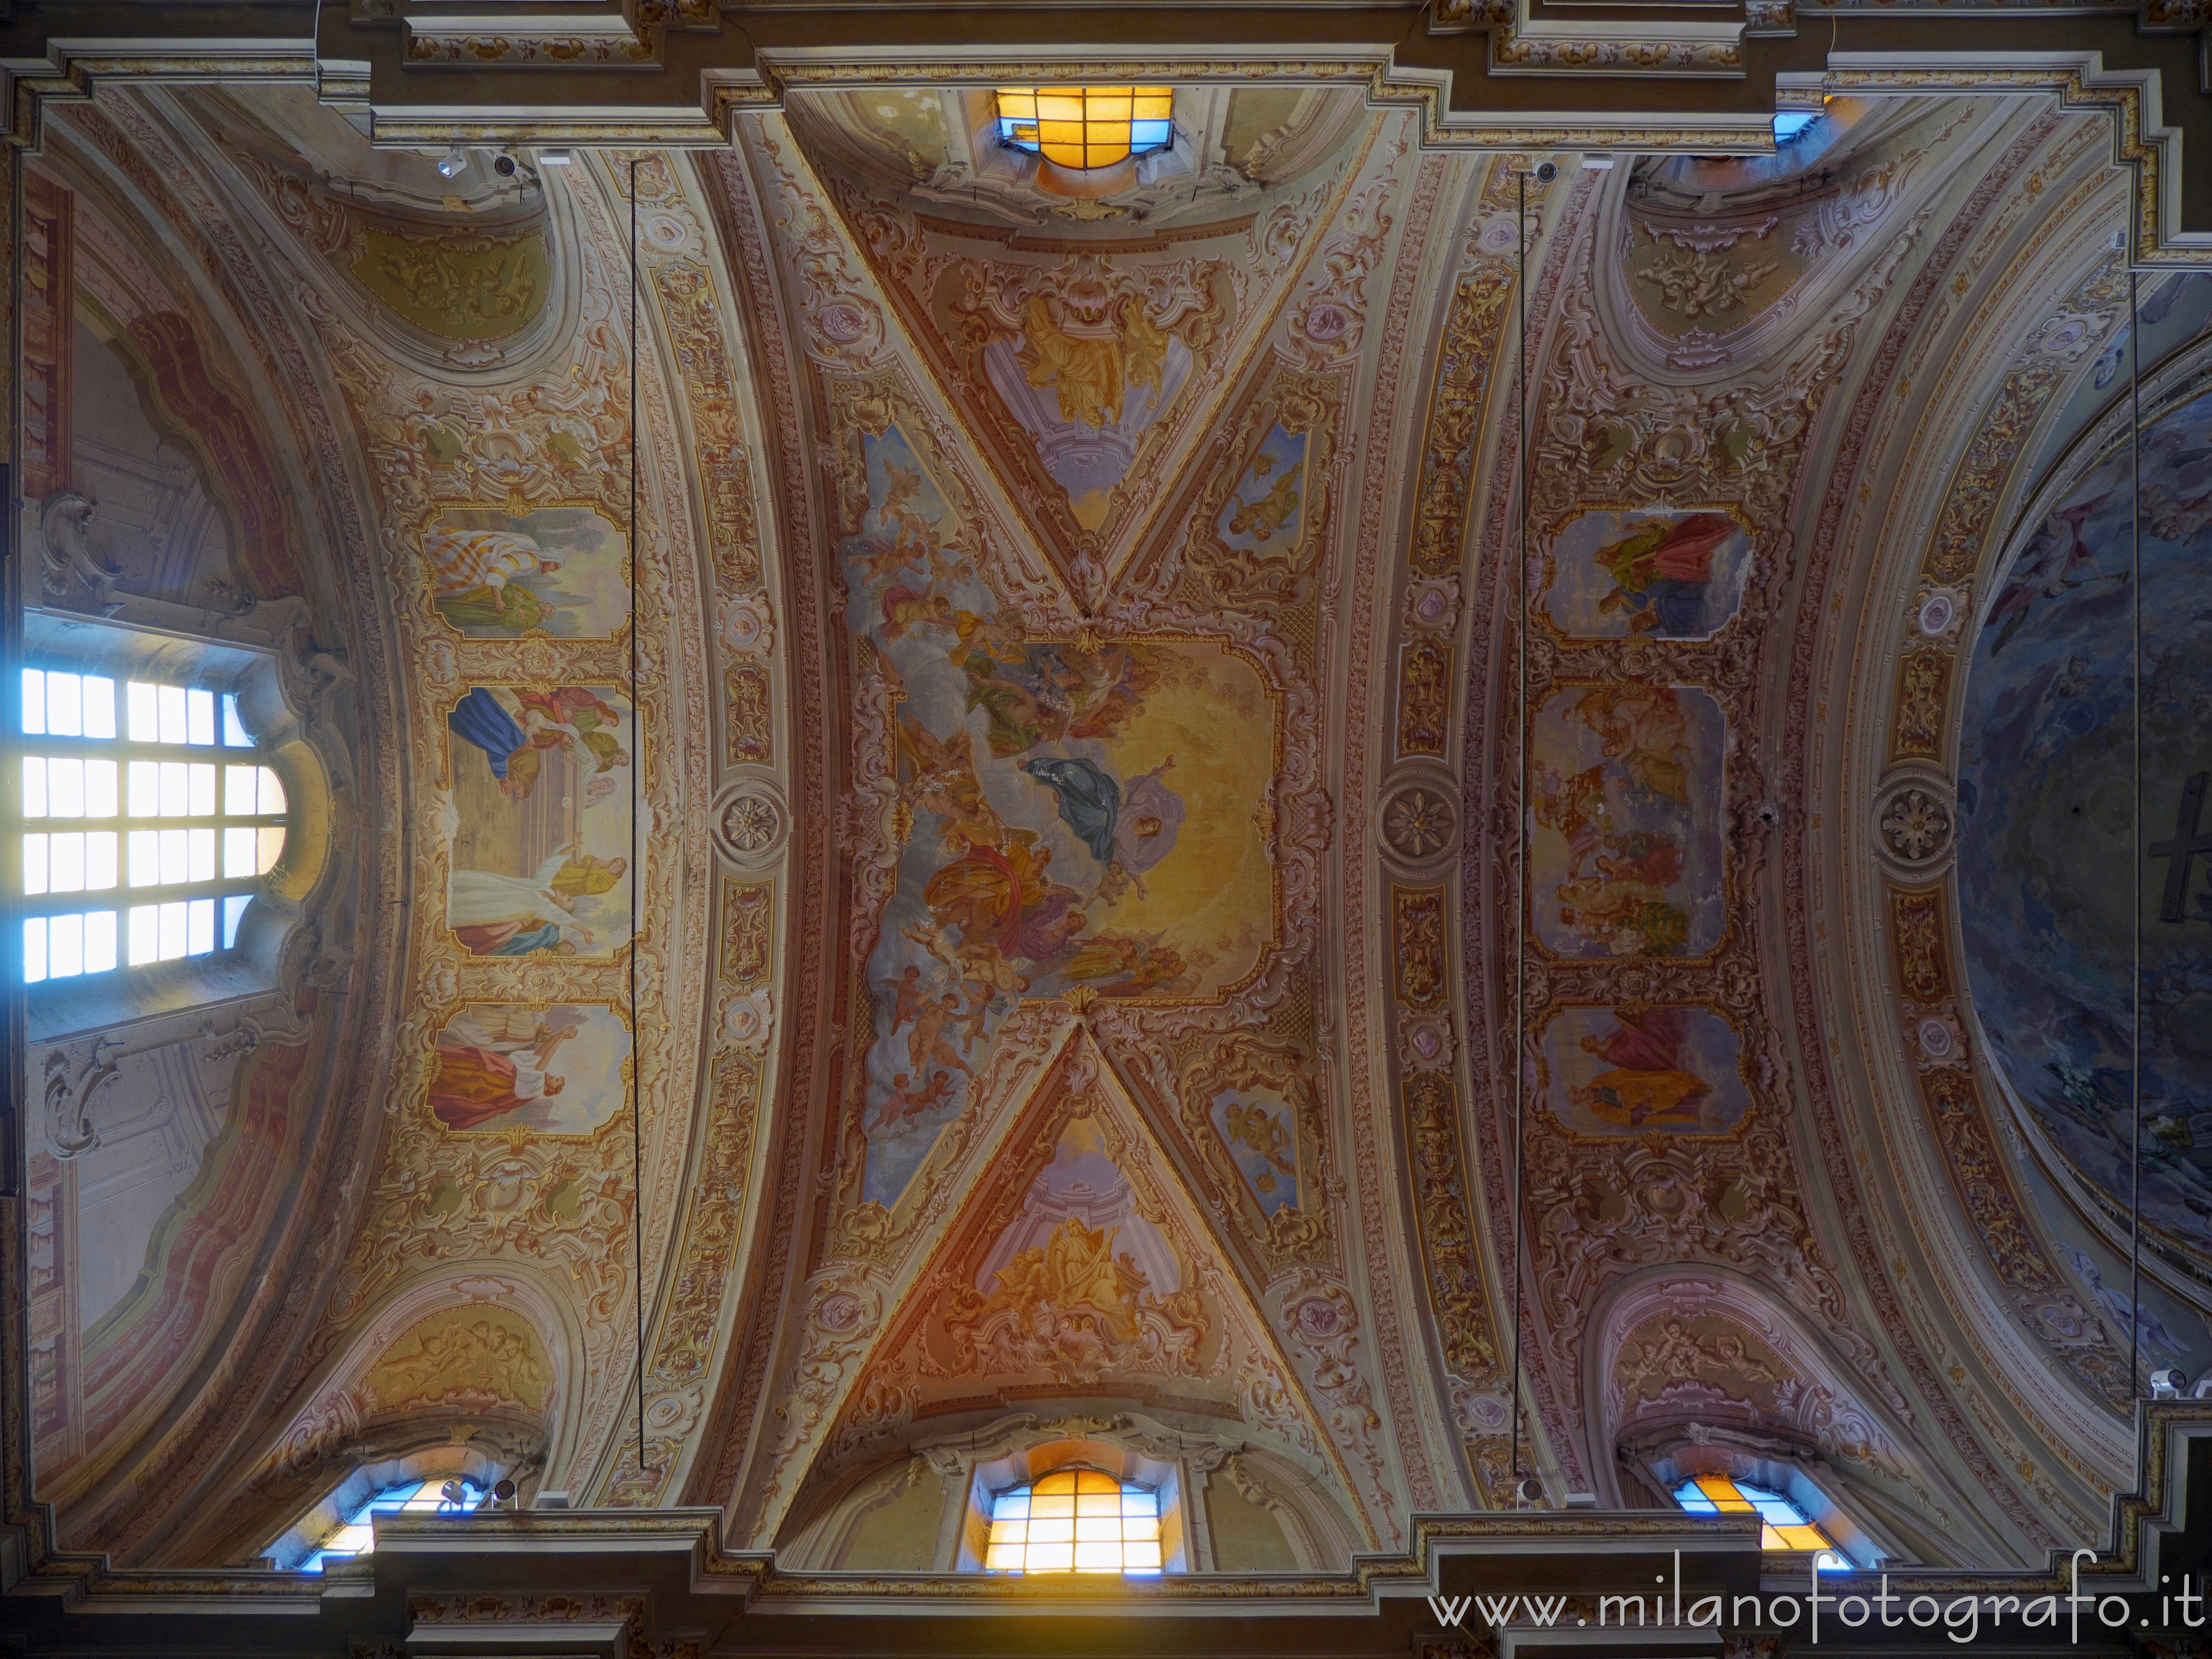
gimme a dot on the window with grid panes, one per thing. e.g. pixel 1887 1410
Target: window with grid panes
pixel 148 820
pixel 1075 1520
pixel 1086 127
pixel 356 1535
pixel 1782 1524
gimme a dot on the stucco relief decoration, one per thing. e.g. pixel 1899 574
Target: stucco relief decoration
pixel 1081 370
pixel 1418 820
pixel 1914 821
pixel 751 822
pixel 1085 808
pixel 1665 500
pixel 507 523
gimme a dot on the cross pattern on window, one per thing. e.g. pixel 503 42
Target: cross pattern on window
pixel 146 793
pixel 1086 127
pixel 1076 1521
pixel 356 1535
pixel 1782 1524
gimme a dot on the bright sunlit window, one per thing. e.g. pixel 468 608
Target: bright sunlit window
pixel 146 823
pixel 453 1495
pixel 1076 1521
pixel 1792 123
pixel 1086 127
pixel 1783 1525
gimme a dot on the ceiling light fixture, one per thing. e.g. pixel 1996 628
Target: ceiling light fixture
pixel 554 158
pixel 453 164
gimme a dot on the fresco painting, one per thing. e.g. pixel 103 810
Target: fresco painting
pixel 1082 814
pixel 1676 575
pixel 1629 1070
pixel 1264 515
pixel 1081 1282
pixel 560 1069
pixel 561 570
pixel 541 780
pixel 1087 385
pixel 2046 823
pixel 1260 1131
pixel 1626 852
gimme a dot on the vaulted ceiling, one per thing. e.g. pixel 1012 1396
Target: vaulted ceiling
pixel 1251 797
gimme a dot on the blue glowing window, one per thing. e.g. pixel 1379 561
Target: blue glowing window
pixel 1791 125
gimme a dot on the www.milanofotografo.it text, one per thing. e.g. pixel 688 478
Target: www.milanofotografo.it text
pixel 1961 1618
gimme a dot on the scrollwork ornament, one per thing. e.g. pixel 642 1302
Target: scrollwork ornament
pixel 751 822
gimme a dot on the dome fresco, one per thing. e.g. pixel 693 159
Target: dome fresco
pixel 2046 820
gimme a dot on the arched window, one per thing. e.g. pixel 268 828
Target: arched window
pixel 1783 1525
pixel 356 1535
pixel 148 820
pixel 1076 1520
pixel 1084 127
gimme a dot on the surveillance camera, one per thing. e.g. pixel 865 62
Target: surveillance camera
pixel 504 167
pixel 2165 1382
pixel 1545 171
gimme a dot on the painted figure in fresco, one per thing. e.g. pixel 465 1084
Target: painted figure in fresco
pixel 498 914
pixel 559 936
pixel 904 609
pixel 911 533
pixel 476 578
pixel 2117 1309
pixel 1660 571
pixel 1075 1267
pixel 483 1074
pixel 572 715
pixel 1087 371
pixel 1127 831
pixel 514 727
pixel 1262 517
pixel 2056 560
pixel 1642 727
pixel 1632 917
pixel 1265 1134
pixel 924 1014
pixel 1054 694
pixel 1646 1087
pixel 480 719
pixel 1574 807
pixel 907 1103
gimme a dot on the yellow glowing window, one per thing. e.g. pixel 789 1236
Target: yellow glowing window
pixel 1084 127
pixel 1076 1521
pixel 1782 1525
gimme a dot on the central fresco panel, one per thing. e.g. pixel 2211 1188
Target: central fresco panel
pixel 1080 487
pixel 1076 812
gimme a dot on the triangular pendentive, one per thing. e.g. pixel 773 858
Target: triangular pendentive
pixel 1080 1274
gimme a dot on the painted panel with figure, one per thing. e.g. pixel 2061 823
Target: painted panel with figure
pixel 1623 1071
pixel 541 780
pixel 1625 857
pixel 560 1069
pixel 1076 813
pixel 1673 574
pixel 560 570
pixel 1264 515
pixel 1260 1130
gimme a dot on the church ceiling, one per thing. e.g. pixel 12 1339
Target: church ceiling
pixel 996 851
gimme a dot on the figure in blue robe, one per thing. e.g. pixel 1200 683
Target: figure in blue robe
pixel 481 720
pixel 1090 801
